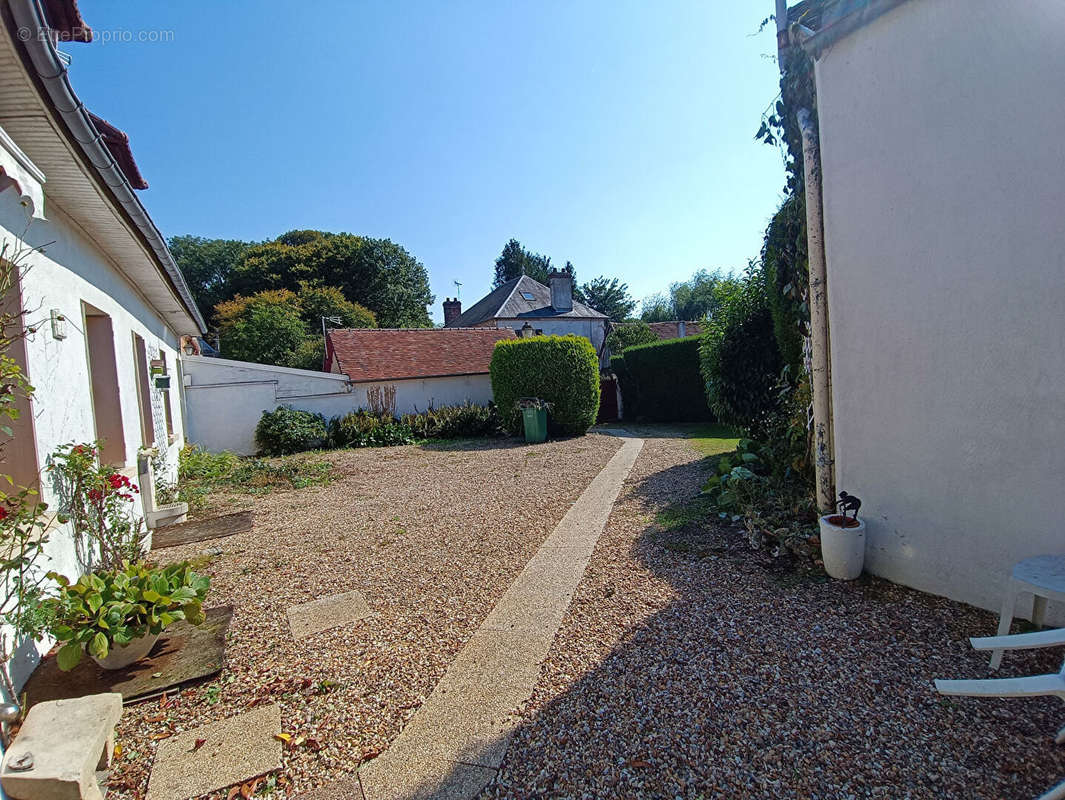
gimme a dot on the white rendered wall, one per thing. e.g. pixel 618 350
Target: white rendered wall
pixel 944 184
pixel 73 270
pixel 591 329
pixel 226 398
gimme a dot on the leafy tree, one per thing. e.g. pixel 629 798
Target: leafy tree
pixel 608 296
pixel 317 302
pixel 266 327
pixel 698 297
pixel 630 334
pixel 375 273
pixel 207 265
pixel 516 261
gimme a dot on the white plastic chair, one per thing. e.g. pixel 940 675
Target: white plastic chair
pixel 1032 686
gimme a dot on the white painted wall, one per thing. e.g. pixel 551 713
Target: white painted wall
pixel 225 398
pixel 72 270
pixel 944 184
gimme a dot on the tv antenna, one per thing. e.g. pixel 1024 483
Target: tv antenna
pixel 458 289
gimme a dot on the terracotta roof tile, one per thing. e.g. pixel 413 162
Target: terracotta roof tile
pixel 387 354
pixel 117 143
pixel 671 330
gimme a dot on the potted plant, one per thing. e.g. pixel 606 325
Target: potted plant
pixel 843 539
pixel 117 615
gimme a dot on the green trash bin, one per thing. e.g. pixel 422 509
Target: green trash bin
pixel 535 424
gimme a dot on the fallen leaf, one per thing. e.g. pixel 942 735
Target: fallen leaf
pixel 157 674
pixel 156 718
pixel 117 752
pixel 164 702
pixel 248 789
pixel 297 742
pixel 283 737
pixel 639 763
pixel 233 792
pixel 161 735
pixel 199 743
pixel 313 744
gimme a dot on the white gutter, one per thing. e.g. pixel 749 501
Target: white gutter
pixel 52 72
pixel 820 363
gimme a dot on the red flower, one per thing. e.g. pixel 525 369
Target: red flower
pixel 3 513
pixel 96 495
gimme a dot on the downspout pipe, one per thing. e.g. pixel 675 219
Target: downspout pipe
pixel 820 362
pixel 52 72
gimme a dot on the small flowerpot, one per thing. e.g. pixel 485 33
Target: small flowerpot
pixel 842 548
pixel 124 655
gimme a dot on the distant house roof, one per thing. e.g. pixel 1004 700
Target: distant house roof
pixel 117 144
pixel 389 354
pixel 671 330
pixel 519 298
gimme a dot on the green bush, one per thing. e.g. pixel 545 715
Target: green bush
pixel 630 334
pixel 103 610
pixel 454 422
pixel 366 429
pixel 661 381
pixel 288 430
pixel 563 370
pixel 741 362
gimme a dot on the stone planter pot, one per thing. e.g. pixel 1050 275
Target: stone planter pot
pixel 843 549
pixel 125 655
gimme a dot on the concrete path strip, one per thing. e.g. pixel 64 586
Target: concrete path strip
pixel 453 745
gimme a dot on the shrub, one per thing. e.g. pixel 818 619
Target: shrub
pixel 288 430
pixel 663 381
pixel 454 422
pixel 741 361
pixel 563 370
pixel 366 429
pixel 630 334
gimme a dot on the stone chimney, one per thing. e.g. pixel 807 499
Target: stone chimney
pixel 561 290
pixel 452 309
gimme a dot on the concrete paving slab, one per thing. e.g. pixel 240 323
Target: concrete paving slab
pixel 344 789
pixel 454 743
pixel 326 612
pixel 236 749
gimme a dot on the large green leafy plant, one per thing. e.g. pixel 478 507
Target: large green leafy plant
pixel 288 430
pixel 103 610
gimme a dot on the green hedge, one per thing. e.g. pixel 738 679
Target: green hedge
pixel 661 382
pixel 563 370
pixel 288 430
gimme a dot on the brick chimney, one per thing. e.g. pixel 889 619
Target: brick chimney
pixel 452 310
pixel 561 290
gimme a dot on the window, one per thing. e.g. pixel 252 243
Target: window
pixel 167 410
pixel 528 295
pixel 103 384
pixel 144 391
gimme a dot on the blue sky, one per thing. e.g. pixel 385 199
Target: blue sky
pixel 617 135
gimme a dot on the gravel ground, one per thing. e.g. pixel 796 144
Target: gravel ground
pixel 431 536
pixel 690 666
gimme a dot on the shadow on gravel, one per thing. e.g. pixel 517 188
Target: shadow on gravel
pixel 756 681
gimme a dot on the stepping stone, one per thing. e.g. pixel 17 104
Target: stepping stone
pixel 202 529
pixel 236 750
pixel 326 612
pixel 183 653
pixel 60 747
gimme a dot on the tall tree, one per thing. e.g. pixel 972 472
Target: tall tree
pixel 515 261
pixel 698 297
pixel 608 296
pixel 375 273
pixel 207 265
pixel 265 328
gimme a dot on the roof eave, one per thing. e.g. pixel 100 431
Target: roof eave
pixel 49 71
pixel 842 27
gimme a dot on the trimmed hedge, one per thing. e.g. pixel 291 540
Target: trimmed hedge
pixel 287 430
pixel 563 370
pixel 661 382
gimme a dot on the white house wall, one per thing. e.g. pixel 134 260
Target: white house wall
pixel 225 398
pixel 944 184
pixel 73 270
pixel 591 329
